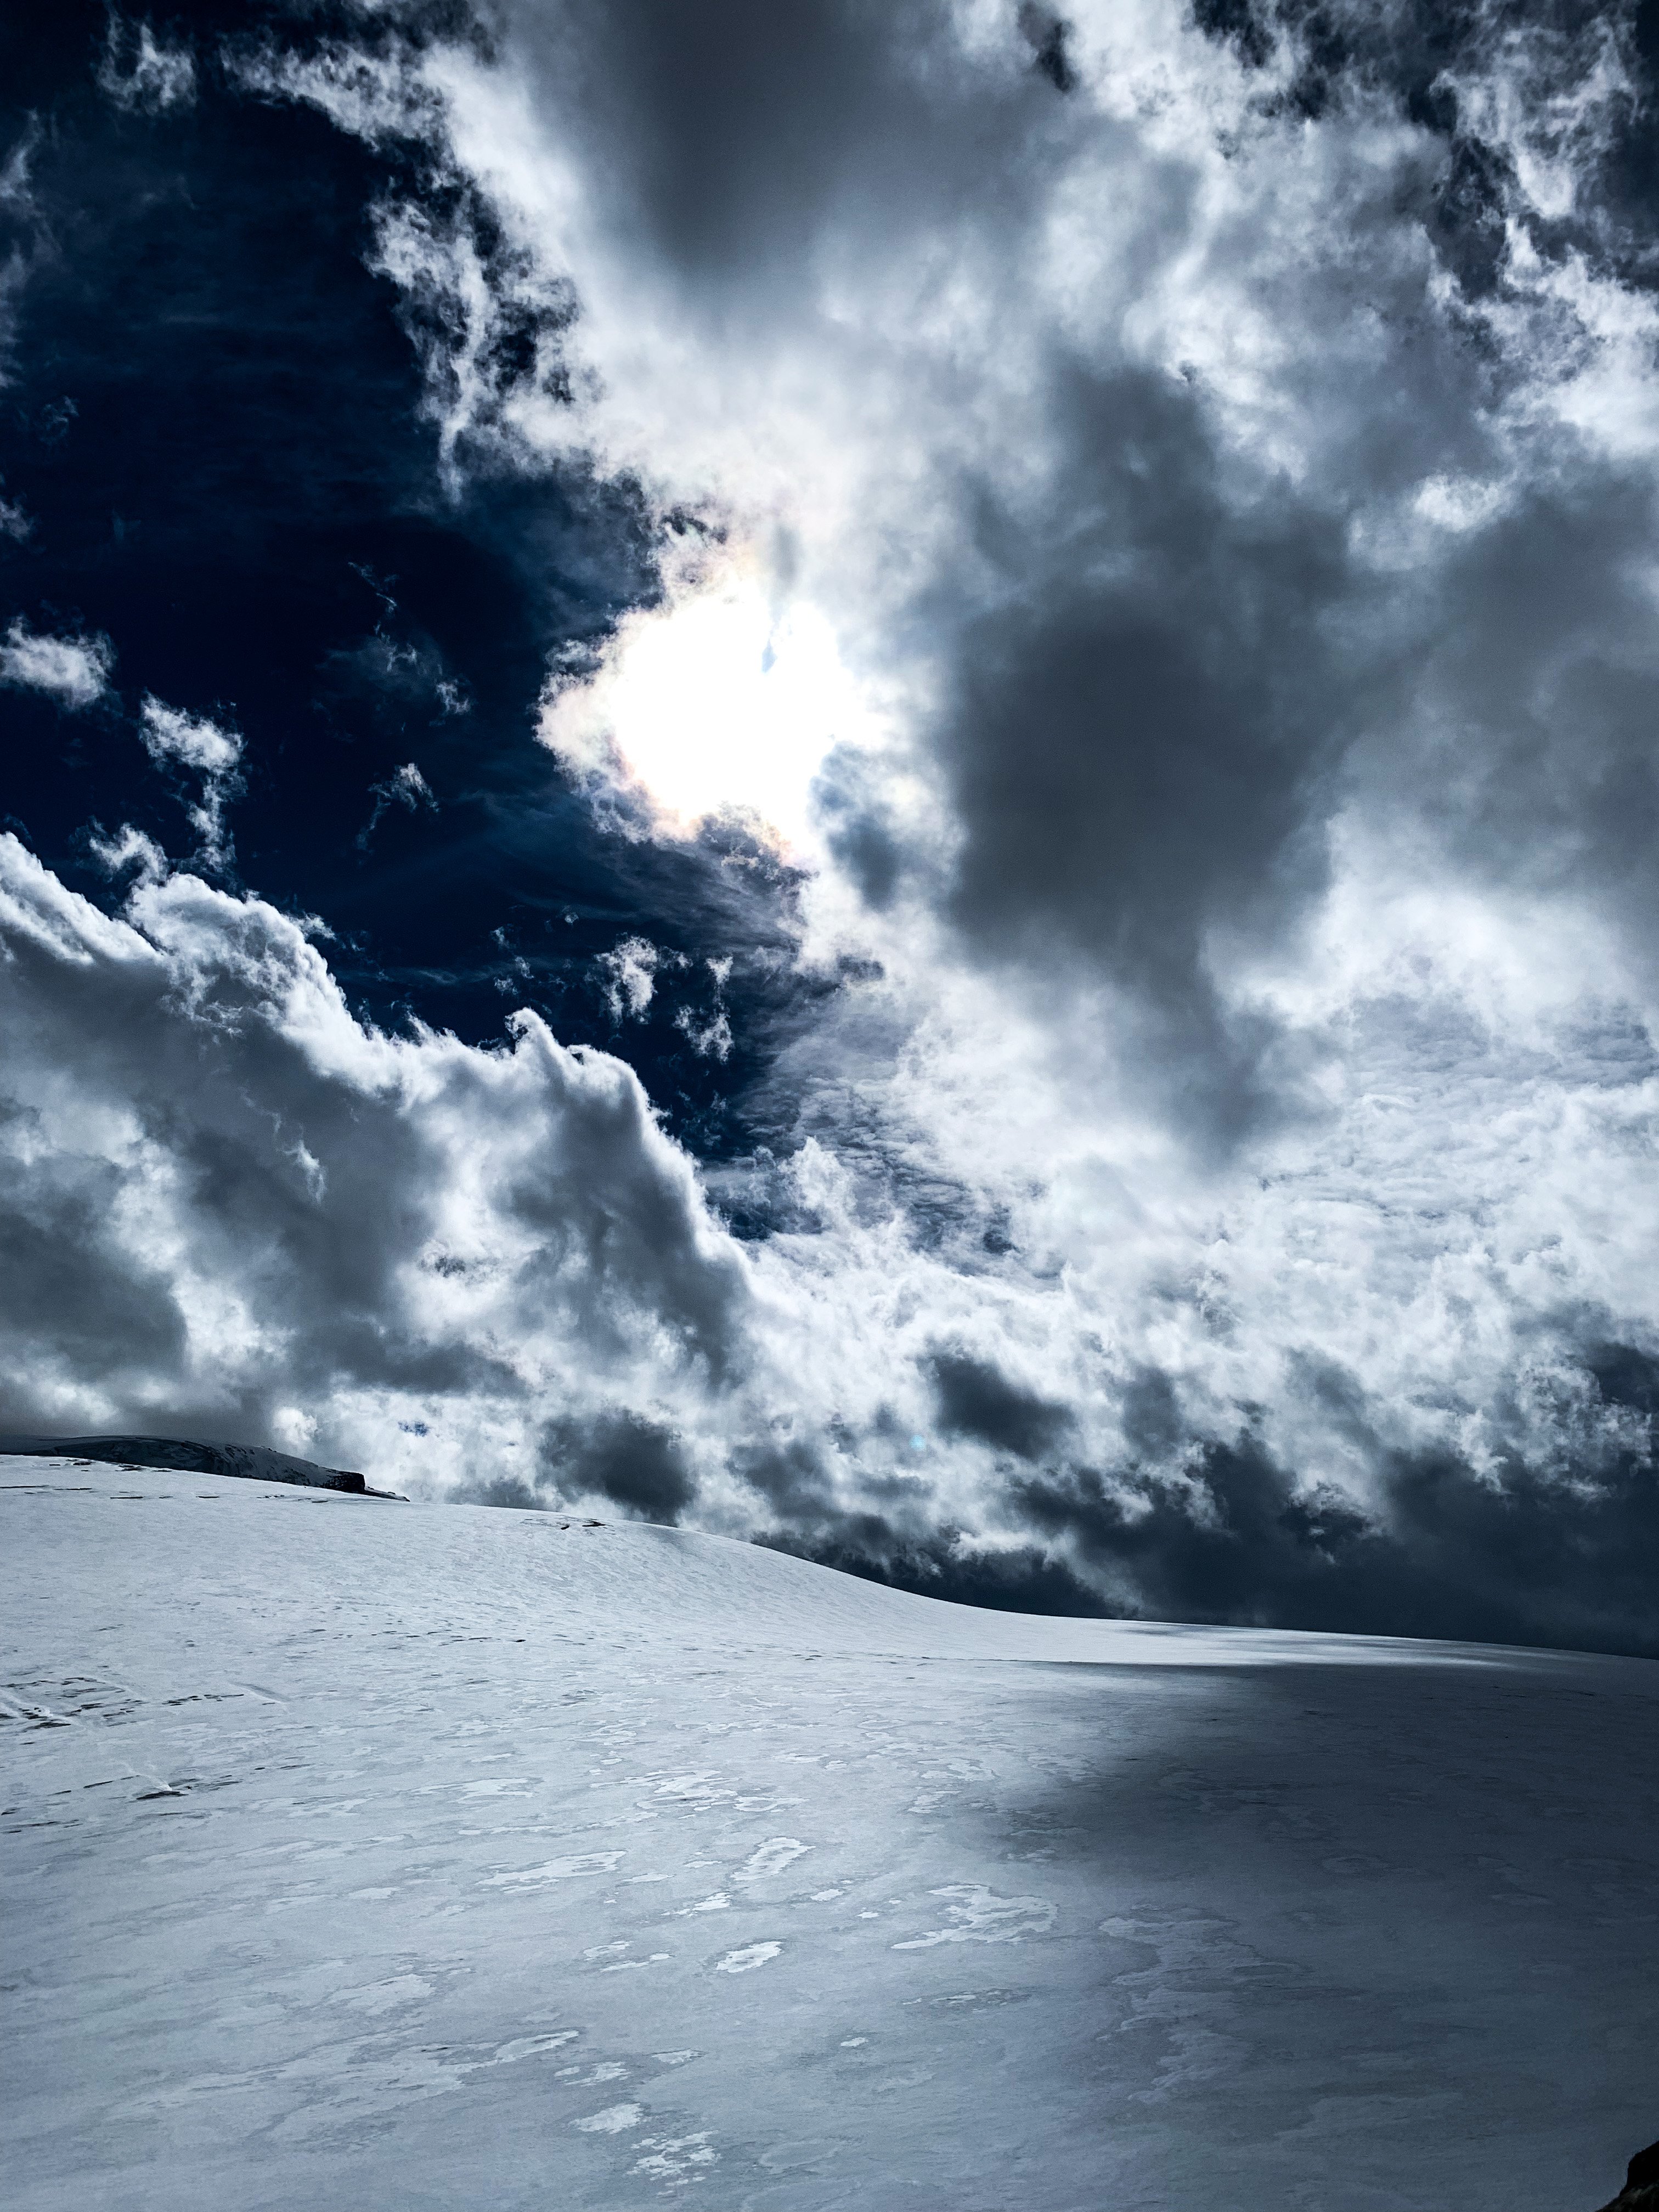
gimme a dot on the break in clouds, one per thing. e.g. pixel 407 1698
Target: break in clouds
pixel 1131 588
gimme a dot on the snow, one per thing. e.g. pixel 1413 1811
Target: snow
pixel 404 1858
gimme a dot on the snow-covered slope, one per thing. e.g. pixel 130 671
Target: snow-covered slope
pixel 443 1858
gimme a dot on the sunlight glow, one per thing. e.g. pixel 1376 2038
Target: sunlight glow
pixel 717 702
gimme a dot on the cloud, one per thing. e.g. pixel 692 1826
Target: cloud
pixel 625 1456
pixel 630 971
pixel 129 848
pixel 1381 1388
pixel 711 1033
pixel 486 322
pixel 233 1206
pixel 1073 416
pixel 1446 1553
pixel 137 73
pixel 405 787
pixel 214 754
pixel 1202 1161
pixel 73 670
pixel 976 1400
pixel 1047 34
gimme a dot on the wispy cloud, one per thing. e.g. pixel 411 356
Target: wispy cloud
pixel 213 753
pixel 138 72
pixel 405 787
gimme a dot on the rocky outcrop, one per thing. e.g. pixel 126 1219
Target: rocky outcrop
pixel 1641 2190
pixel 252 1463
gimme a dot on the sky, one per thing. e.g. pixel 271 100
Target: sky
pixel 878 776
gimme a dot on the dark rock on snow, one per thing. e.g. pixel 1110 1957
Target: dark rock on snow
pixel 254 1462
pixel 1641 2190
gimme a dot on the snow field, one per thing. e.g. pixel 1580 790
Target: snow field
pixel 391 1857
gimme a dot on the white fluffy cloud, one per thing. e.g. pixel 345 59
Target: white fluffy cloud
pixel 630 976
pixel 74 671
pixel 227 1196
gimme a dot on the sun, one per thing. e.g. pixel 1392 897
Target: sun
pixel 723 700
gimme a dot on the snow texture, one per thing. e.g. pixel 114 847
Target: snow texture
pixel 423 1860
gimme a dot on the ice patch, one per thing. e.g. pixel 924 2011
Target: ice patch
pixel 746 1962
pixel 566 1870
pixel 980 1916
pixel 695 1789
pixel 386 1997
pixel 672 2158
pixel 771 1857
pixel 528 2047
pixel 614 2120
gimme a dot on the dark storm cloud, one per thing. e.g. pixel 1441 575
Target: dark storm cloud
pixel 1047 34
pixel 67 1285
pixel 1533 1559
pixel 975 1401
pixel 792 1479
pixel 739 131
pixel 1523 1554
pixel 638 1463
pixel 1535 696
pixel 1134 760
